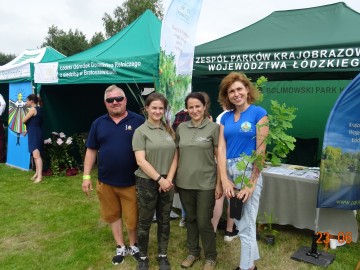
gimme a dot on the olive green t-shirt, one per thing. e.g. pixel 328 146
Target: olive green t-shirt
pixel 197 166
pixel 158 145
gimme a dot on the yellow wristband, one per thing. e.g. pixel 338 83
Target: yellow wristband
pixel 86 177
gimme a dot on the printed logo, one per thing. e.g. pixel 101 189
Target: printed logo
pixel 202 139
pixel 245 127
pixel 128 127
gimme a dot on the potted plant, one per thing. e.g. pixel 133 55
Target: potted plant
pixel 269 232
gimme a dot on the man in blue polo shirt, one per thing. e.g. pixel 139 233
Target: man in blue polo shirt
pixel 109 141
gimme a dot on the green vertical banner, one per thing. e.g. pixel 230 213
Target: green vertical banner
pixel 339 185
pixel 177 46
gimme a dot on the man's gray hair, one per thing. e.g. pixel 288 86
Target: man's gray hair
pixel 113 88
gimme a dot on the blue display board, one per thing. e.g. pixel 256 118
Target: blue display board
pixel 340 164
pixel 17 151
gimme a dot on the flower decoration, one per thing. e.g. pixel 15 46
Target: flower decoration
pixel 58 153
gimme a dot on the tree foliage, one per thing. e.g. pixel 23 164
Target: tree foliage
pixel 6 58
pixel 128 12
pixel 97 38
pixel 68 43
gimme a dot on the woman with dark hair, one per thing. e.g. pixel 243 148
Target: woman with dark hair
pixel 156 154
pixel 33 121
pixel 243 130
pixel 196 179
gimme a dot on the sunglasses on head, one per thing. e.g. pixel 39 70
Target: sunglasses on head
pixel 117 99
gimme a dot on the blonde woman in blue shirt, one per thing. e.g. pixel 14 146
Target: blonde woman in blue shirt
pixel 156 154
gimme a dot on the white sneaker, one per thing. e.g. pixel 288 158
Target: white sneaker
pixel 182 222
pixel 119 258
pixel 229 236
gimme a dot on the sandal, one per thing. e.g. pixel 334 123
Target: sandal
pixel 38 180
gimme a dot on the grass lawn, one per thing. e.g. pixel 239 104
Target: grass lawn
pixel 53 225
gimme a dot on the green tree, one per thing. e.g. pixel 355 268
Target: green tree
pixel 97 38
pixel 6 58
pixel 128 12
pixel 68 43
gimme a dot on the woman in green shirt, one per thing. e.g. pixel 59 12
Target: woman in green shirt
pixel 156 154
pixel 196 179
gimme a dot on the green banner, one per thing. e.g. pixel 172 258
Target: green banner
pixel 314 100
pixel 311 60
pixel 135 69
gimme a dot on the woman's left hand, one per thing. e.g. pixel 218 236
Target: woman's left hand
pixel 165 185
pixel 218 191
pixel 245 194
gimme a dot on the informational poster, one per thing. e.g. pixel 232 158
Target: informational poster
pixel 17 153
pixel 339 185
pixel 177 46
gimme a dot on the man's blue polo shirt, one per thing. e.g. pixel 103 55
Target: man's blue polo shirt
pixel 116 159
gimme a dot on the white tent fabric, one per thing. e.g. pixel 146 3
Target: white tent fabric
pixel 20 66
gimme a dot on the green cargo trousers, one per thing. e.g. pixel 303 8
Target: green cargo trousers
pixel 199 207
pixel 151 200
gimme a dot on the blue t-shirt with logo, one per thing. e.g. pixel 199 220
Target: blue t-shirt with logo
pixel 240 136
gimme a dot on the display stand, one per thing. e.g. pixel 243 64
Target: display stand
pixel 311 254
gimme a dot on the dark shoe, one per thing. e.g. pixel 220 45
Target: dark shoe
pixel 163 263
pixel 134 251
pixel 189 261
pixel 119 258
pixel 238 268
pixel 229 236
pixel 143 264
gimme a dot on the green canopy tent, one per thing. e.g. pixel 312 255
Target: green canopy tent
pixel 16 82
pixel 308 55
pixel 73 88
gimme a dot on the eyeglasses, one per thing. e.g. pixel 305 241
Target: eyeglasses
pixel 117 99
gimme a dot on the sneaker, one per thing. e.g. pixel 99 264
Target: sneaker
pixel 229 236
pixel 163 263
pixel 182 222
pixel 143 264
pixel 238 268
pixel 119 258
pixel 189 261
pixel 134 251
pixel 209 265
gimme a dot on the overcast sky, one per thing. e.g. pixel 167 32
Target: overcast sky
pixel 24 24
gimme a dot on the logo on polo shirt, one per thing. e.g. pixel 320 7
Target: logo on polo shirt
pixel 202 139
pixel 128 127
pixel 245 127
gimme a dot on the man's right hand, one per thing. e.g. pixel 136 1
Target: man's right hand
pixel 87 186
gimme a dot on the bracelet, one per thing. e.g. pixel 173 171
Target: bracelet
pixel 158 179
pixel 86 177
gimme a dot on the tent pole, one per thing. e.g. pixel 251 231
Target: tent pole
pixel 313 252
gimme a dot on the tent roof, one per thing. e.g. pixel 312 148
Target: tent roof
pixel 20 67
pixel 328 27
pixel 130 56
pixel 333 24
pixel 141 37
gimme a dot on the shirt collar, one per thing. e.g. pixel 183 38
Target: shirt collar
pixel 204 122
pixel 151 126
